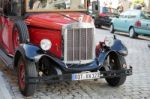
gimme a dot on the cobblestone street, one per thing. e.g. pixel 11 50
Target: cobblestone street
pixel 136 86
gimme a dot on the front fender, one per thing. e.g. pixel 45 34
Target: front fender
pixel 29 51
pixel 103 56
pixel 119 47
pixel 34 54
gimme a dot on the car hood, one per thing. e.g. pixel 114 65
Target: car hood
pixel 56 20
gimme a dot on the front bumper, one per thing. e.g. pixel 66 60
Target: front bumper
pixel 70 68
pixel 69 76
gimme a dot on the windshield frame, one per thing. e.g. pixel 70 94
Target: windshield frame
pixel 145 15
pixel 56 10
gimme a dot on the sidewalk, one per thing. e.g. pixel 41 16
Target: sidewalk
pixel 4 93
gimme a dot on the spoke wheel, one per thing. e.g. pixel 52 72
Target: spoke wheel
pixel 113 64
pixel 26 69
pixel 21 74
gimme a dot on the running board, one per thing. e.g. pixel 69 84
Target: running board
pixel 6 59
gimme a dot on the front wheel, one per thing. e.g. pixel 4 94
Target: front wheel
pixel 112 28
pixel 112 63
pixel 26 69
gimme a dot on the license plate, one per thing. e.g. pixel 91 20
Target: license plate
pixel 85 76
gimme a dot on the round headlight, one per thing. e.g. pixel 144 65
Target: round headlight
pixel 45 44
pixel 109 41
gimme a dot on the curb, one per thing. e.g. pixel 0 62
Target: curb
pixel 4 92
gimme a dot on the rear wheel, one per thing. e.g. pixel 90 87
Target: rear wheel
pixel 26 69
pixel 20 34
pixel 132 33
pixel 112 63
pixel 149 45
pixel 97 24
pixel 112 28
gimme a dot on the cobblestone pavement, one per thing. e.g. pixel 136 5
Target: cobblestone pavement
pixel 136 86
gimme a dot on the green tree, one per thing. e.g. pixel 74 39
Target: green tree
pixel 137 1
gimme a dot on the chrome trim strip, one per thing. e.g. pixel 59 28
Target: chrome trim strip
pixel 77 25
pixel 86 43
pixel 65 45
pixel 73 44
pixel 80 62
pixel 80 45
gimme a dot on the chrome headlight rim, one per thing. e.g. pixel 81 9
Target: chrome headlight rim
pixel 45 44
pixel 109 41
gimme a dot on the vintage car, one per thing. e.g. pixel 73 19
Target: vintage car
pixel 43 43
pixel 135 22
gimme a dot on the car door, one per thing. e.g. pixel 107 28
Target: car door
pixel 1 23
pixel 4 33
pixel 145 23
pixel 1 28
pixel 132 17
pixel 6 28
pixel 8 18
pixel 124 22
pixel 119 22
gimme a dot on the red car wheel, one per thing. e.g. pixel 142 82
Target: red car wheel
pixel 21 74
pixel 26 69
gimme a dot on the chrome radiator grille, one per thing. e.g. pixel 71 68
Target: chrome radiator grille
pixel 79 45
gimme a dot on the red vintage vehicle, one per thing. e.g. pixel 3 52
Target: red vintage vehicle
pixel 53 40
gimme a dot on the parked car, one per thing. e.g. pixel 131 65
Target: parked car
pixel 48 44
pixel 135 22
pixel 105 16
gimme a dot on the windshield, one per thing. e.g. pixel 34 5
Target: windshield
pixel 55 5
pixel 109 10
pixel 146 15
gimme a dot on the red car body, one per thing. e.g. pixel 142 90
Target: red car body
pixel 47 25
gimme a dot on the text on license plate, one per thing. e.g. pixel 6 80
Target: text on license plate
pixel 84 76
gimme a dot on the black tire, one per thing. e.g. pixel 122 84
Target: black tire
pixel 132 33
pixel 112 28
pixel 97 26
pixel 22 32
pixel 30 70
pixel 149 45
pixel 116 65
